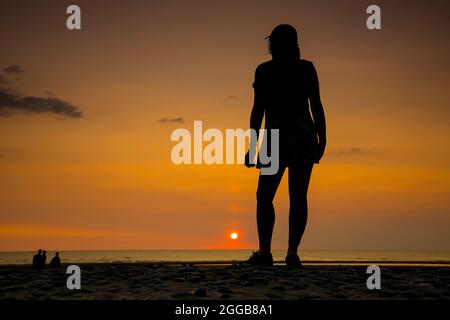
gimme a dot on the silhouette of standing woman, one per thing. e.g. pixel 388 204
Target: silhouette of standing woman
pixel 286 89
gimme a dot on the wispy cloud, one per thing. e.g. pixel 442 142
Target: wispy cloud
pixel 354 151
pixel 12 102
pixel 171 120
pixel 14 68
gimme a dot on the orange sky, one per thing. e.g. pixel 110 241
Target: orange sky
pixel 106 181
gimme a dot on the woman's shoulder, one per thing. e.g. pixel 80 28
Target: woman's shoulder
pixel 306 63
pixel 270 64
pixel 267 65
pixel 263 71
pixel 267 69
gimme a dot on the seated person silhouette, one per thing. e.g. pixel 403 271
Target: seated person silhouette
pixel 55 263
pixel 286 92
pixel 43 259
pixel 37 260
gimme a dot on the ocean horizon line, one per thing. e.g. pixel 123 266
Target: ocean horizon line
pixel 222 249
pixel 199 256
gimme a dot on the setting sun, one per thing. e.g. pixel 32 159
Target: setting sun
pixel 234 235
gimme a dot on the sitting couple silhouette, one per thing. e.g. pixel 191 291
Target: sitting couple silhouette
pixel 40 258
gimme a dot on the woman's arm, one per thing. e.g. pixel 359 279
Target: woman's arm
pixel 257 114
pixel 318 112
pixel 256 118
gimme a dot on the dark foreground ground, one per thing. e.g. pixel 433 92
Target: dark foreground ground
pixel 140 281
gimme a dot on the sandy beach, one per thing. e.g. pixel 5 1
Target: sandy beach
pixel 149 281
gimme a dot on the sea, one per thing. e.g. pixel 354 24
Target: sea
pixel 151 256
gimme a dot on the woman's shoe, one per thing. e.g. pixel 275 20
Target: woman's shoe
pixel 293 261
pixel 260 259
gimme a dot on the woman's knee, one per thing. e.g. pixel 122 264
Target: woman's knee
pixel 263 198
pixel 298 197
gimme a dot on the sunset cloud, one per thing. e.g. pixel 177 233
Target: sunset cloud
pixel 354 151
pixel 171 120
pixel 11 103
pixel 13 69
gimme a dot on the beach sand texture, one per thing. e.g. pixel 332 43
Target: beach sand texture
pixel 145 281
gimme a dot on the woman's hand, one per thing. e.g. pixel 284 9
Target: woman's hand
pixel 320 151
pixel 247 163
